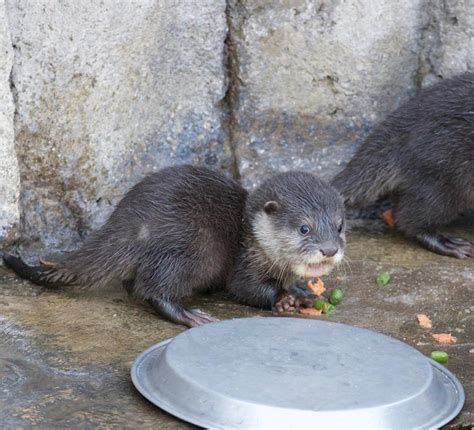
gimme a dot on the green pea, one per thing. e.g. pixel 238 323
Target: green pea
pixel 327 308
pixel 319 304
pixel 383 279
pixel 336 296
pixel 440 356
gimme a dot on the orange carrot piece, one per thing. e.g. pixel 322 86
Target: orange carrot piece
pixel 317 287
pixel 444 338
pixel 310 311
pixel 424 321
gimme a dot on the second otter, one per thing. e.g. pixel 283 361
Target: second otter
pixel 422 158
pixel 187 228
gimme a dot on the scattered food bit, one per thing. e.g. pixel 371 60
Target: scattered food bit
pixel 383 279
pixel 440 356
pixel 444 338
pixel 323 306
pixel 336 296
pixel 319 304
pixel 327 308
pixel 316 287
pixel 310 311
pixel 388 218
pixel 424 321
pixel 422 343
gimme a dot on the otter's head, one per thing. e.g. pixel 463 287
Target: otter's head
pixel 298 221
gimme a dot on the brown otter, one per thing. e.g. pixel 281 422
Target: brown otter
pixel 422 158
pixel 186 228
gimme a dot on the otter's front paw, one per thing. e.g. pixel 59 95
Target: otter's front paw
pixel 291 302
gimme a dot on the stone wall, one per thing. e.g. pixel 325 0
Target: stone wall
pixel 314 76
pixel 104 92
pixel 9 172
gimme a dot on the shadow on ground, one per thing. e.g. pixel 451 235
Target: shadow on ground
pixel 65 356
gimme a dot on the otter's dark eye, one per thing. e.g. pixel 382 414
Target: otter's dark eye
pixel 339 229
pixel 305 229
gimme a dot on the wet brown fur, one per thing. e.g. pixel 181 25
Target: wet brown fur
pixel 187 228
pixel 422 157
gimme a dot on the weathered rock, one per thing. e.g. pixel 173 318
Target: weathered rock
pixel 107 91
pixel 9 173
pixel 447 40
pixel 315 75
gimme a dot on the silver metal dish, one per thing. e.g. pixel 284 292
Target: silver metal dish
pixel 295 373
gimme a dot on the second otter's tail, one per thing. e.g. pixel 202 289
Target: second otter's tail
pixel 45 276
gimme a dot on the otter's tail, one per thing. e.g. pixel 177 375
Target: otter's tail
pixel 45 276
pixel 367 178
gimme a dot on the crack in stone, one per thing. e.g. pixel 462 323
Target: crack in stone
pixel 14 232
pixel 230 102
pixel 428 39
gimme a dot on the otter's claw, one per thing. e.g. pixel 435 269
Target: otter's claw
pixel 445 245
pixel 199 317
pixel 178 314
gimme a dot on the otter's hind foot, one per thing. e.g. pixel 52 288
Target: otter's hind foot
pixel 178 314
pixel 200 317
pixel 446 245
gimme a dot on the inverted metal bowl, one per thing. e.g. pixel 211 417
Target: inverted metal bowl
pixel 293 372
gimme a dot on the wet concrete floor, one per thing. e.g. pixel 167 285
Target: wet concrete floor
pixel 65 355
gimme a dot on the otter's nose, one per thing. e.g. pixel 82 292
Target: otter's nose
pixel 329 252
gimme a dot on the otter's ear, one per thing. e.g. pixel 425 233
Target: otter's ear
pixel 270 207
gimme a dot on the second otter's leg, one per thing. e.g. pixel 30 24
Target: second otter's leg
pixel 446 245
pixel 128 285
pixel 419 216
